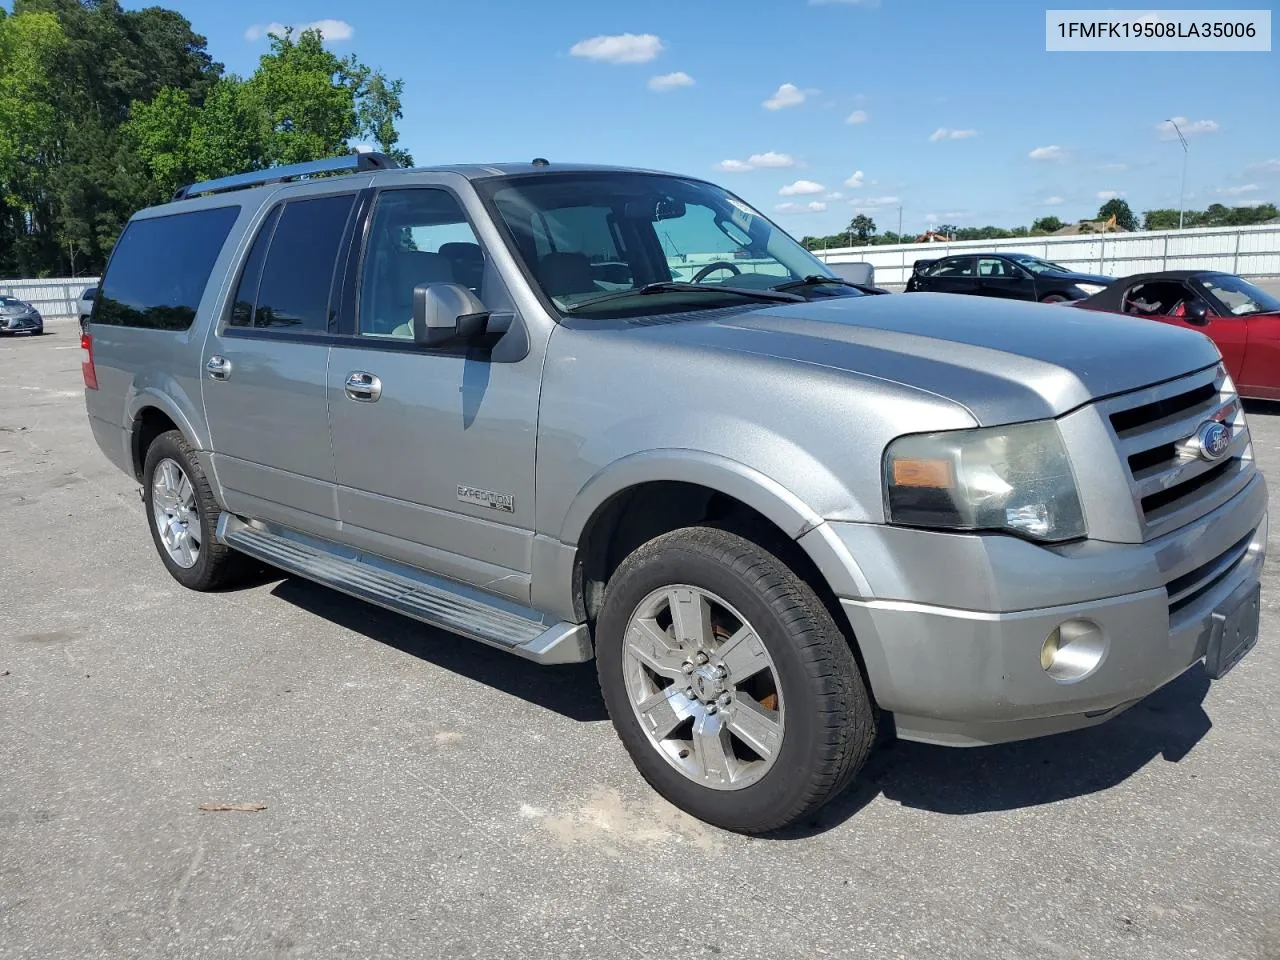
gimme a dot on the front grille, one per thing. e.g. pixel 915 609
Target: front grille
pixel 1155 430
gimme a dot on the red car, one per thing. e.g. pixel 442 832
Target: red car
pixel 1241 318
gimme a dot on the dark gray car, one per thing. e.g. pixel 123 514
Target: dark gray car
pixel 18 316
pixel 774 509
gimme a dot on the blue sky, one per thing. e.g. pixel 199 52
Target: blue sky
pixel 513 79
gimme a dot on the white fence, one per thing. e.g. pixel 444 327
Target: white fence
pixel 1246 251
pixel 54 297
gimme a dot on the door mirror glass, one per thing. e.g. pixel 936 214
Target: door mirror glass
pixel 446 311
pixel 1197 312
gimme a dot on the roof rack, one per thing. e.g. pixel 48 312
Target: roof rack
pixel 351 163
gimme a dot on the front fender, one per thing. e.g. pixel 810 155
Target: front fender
pixel 761 493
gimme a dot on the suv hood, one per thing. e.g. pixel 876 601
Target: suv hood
pixel 1005 361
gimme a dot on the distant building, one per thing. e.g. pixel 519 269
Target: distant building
pixel 1090 226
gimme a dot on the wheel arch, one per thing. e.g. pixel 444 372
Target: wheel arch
pixel 645 495
pixel 151 413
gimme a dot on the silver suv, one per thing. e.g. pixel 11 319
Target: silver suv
pixel 780 513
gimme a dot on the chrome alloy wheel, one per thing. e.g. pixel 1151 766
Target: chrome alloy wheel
pixel 173 509
pixel 703 687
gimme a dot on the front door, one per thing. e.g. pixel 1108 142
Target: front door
pixel 1001 279
pixel 265 366
pixel 434 446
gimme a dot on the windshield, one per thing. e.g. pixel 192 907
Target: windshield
pixel 9 302
pixel 592 236
pixel 1036 265
pixel 1239 296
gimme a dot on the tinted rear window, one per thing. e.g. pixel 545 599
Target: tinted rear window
pixel 160 267
pixel 294 291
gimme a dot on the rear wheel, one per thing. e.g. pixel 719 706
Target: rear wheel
pixel 1054 298
pixel 728 681
pixel 183 517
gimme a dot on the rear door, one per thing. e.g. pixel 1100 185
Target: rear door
pixel 953 275
pixel 265 364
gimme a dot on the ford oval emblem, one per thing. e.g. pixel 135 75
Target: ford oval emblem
pixel 1213 438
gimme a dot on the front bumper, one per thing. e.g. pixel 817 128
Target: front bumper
pixel 952 646
pixel 23 324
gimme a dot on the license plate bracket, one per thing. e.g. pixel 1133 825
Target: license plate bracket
pixel 1234 631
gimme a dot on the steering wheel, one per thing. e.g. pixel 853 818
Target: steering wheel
pixel 711 268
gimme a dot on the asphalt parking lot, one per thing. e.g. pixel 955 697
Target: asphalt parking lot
pixel 429 797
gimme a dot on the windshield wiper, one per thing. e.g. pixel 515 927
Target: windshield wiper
pixel 677 286
pixel 814 279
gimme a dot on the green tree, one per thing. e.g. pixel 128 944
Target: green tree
pixel 377 112
pixel 1118 208
pixel 305 97
pixel 1048 224
pixel 862 228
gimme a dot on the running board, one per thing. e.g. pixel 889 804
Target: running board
pixel 432 600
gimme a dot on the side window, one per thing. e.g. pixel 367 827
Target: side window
pixel 298 270
pixel 160 267
pixel 954 267
pixel 251 276
pixel 418 235
pixel 991 267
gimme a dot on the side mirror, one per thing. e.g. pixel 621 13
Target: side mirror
pixel 446 311
pixel 1197 312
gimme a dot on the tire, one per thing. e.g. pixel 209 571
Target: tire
pixel 1054 298
pixel 213 564
pixel 824 718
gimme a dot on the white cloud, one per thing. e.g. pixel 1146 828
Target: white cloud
pixel 1238 191
pixel 1189 128
pixel 1051 152
pixel 787 95
pixel 946 133
pixel 619 48
pixel 1052 201
pixel 813 206
pixel 670 81
pixel 855 181
pixel 801 188
pixel 1109 194
pixel 1267 166
pixel 834 195
pixel 757 161
pixel 771 159
pixel 872 202
pixel 332 30
pixel 858 116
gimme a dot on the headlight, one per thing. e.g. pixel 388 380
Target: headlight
pixel 1015 479
pixel 1091 288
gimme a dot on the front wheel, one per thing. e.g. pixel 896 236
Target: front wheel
pixel 1054 298
pixel 728 681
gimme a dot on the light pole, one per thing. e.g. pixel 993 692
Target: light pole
pixel 1182 191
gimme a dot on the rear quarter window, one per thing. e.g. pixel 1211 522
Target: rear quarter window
pixel 160 268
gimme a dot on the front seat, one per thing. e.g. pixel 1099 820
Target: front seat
pixel 408 269
pixel 564 274
pixel 467 262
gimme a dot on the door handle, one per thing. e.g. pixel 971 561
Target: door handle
pixel 218 368
pixel 364 387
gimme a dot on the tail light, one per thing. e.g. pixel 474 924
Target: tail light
pixel 86 362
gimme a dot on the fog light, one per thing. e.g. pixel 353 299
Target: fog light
pixel 1073 650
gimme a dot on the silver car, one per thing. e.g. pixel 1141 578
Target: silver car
pixel 18 316
pixel 576 412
